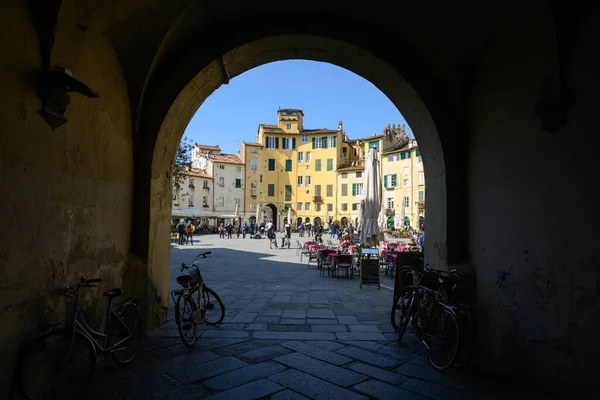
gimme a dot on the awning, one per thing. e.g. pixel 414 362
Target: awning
pixel 198 213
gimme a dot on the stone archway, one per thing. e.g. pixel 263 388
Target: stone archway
pixel 344 222
pixel 270 213
pixel 202 84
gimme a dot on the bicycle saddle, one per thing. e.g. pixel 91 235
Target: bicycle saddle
pixel 115 292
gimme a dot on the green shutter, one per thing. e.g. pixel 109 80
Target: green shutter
pixel 417 153
pixel 354 189
pixel 408 154
pixel 271 164
pixel 324 142
pixel 313 143
pixel 394 180
pixel 385 181
pixel 293 143
pixel 329 164
pixel 402 156
pixel 266 141
pixel 276 142
pixel 334 141
pixel 288 165
pixel 317 165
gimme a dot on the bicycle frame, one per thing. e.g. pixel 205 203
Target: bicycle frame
pixel 98 339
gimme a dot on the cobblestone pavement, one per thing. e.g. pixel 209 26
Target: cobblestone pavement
pixel 288 333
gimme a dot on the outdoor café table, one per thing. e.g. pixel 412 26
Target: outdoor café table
pixel 334 260
pixel 308 243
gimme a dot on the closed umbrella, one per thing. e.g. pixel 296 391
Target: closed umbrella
pixel 290 216
pixel 381 220
pixel 326 221
pixel 371 205
pixel 257 215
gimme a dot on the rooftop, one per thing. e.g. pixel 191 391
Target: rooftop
pixel 208 147
pixel 253 144
pixel 197 173
pixel 226 158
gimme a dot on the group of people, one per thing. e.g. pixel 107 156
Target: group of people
pixel 185 232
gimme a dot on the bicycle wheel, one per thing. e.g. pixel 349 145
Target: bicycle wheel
pixel 405 307
pixel 214 309
pixel 466 339
pixel 442 339
pixel 58 365
pixel 184 317
pixel 395 310
pixel 126 328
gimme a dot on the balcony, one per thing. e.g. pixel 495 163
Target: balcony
pixel 346 164
pixel 317 199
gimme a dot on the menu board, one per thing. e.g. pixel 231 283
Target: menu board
pixel 369 272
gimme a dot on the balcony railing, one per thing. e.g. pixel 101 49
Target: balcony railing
pixel 317 199
pixel 355 163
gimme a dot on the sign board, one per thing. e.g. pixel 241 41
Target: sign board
pixel 368 250
pixel 369 272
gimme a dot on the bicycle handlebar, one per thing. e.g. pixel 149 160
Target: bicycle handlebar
pixel 201 255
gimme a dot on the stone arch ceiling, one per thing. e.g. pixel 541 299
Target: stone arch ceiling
pixel 153 33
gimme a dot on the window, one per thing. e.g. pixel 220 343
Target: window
pixel 398 156
pixel 417 153
pixel 299 181
pixel 330 164
pixel 191 201
pixel 288 165
pixel 317 165
pixel 421 177
pixel 374 145
pixel 344 175
pixel 390 202
pixel 287 206
pixel 254 164
pixel 318 207
pixel 344 206
pixel 238 169
pixel 300 156
pixel 220 201
pixel 359 174
pixel 260 177
pixel 329 190
pixel 191 182
pixel 299 206
pixel 222 181
pixel 390 158
pixel 307 206
pixel 271 190
pixel 406 182
pixel 421 195
pixel 304 139
pixel 332 140
pixel 405 201
pixel 318 190
pixel 330 207
pixel 354 206
pixel 254 150
pixel 344 189
pixel 253 188
pixel 317 143
pixel 405 170
pixel 253 206
pixel 390 181
pixel 205 184
pixel 308 156
pixel 288 126
pixel 205 201
pixel 357 189
pixel 288 192
pixel 238 183
pixel 307 181
pixel 272 142
pixel 288 143
pixel 271 164
pixel 405 155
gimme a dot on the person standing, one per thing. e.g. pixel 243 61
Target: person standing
pixel 244 230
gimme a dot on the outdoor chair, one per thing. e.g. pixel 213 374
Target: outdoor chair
pixel 345 262
pixel 304 251
pixel 313 256
pixel 325 261
pixel 390 265
pixel 298 248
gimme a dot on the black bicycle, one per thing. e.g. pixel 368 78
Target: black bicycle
pixel 195 303
pixel 60 361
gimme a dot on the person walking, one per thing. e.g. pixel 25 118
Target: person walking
pixel 181 231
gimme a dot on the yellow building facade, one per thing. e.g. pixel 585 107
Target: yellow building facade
pixel 317 173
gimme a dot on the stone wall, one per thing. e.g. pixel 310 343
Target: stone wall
pixel 65 195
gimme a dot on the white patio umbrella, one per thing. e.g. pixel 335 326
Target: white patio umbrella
pixel 289 217
pixel 381 219
pixel 258 214
pixel 372 200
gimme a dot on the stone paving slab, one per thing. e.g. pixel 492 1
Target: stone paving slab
pixel 315 352
pixel 206 370
pixel 381 390
pixel 320 369
pixel 250 391
pixel 314 388
pixel 243 375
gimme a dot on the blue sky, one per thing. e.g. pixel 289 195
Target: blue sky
pixel 326 93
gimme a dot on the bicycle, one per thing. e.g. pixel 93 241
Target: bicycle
pixel 74 337
pixel 195 297
pixel 434 321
